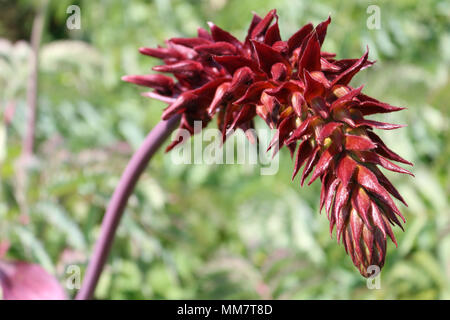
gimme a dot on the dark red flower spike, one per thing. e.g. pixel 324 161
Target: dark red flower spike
pixel 303 92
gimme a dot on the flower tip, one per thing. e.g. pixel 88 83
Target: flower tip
pixel 144 50
pixel 125 78
pixel 169 148
pixel 255 14
pixel 157 96
pixel 401 126
pixel 294 174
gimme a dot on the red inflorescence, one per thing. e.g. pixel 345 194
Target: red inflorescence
pixel 305 94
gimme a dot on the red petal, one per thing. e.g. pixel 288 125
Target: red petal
pixel 219 34
pixel 369 181
pixel 314 88
pixel 183 67
pixel 160 53
pixel 262 26
pixel 310 60
pixel 343 101
pixel 253 93
pixel 345 64
pixel 267 56
pixel 179 106
pixel 242 79
pixel 232 63
pixel 370 106
pixel 380 253
pixel 184 53
pixel 297 38
pixel 377 124
pixel 377 159
pixel 309 165
pixel 357 226
pixel 303 152
pixel 157 81
pixel 378 219
pixel 217 48
pixel 361 202
pixel 184 125
pixel 330 195
pixel 358 143
pixel 344 116
pixel 326 181
pixel 327 130
pixel 285 128
pixel 298 102
pixel 190 42
pixel 292 148
pixel 157 96
pixel 345 169
pixel 368 241
pixel 327 55
pixel 345 77
pixel 320 107
pixel 321 30
pixel 381 222
pixel 255 21
pixel 285 90
pixel 218 98
pixel 348 245
pixel 323 164
pixel 388 185
pixel 383 150
pixel 327 66
pixel 246 114
pixel 280 46
pixel 279 72
pixel 302 129
pixel 272 34
pixel 340 201
pixel 204 34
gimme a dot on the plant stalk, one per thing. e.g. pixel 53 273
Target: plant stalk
pixel 32 97
pixel 32 88
pixel 117 204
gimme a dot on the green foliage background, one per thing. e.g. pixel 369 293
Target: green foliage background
pixel 220 231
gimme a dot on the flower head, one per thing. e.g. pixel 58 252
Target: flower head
pixel 303 92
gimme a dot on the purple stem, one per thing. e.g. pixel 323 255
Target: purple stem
pixel 117 204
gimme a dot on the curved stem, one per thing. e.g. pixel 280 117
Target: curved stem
pixel 32 90
pixel 32 101
pixel 117 204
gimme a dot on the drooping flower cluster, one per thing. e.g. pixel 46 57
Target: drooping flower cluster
pixel 305 94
